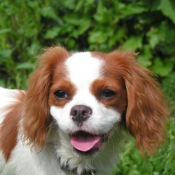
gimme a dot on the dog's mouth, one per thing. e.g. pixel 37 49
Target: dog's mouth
pixel 85 143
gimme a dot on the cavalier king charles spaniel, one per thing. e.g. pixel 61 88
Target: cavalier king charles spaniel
pixel 71 119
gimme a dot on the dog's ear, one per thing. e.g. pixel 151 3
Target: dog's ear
pixel 146 109
pixel 37 114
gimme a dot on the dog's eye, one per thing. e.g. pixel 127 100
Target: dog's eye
pixel 107 93
pixel 60 94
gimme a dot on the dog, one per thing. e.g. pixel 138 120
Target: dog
pixel 72 118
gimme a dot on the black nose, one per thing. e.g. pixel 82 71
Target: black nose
pixel 80 113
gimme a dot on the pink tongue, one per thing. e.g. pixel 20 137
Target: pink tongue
pixel 85 143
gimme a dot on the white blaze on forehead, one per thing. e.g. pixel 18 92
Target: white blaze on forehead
pixel 83 68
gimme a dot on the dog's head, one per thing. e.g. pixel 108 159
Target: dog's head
pixel 88 94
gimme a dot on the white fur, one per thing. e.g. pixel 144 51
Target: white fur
pixel 7 97
pixel 27 161
pixel 24 161
pixel 83 69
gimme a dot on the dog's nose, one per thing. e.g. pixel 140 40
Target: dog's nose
pixel 80 113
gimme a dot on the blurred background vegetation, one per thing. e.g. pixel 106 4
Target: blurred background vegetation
pixel 145 26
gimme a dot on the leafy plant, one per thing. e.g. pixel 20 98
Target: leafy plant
pixel 168 86
pixel 132 163
pixel 27 26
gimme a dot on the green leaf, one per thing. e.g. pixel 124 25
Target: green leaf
pixel 34 48
pixel 134 172
pixel 102 14
pixel 97 37
pixel 80 25
pixel 79 5
pixel 144 62
pixel 4 54
pixel 124 11
pixel 168 9
pixel 2 31
pixel 100 36
pixel 145 55
pixel 156 173
pixel 162 68
pixel 52 33
pixel 25 65
pixel 154 40
pixel 49 12
pixel 71 43
pixel 132 9
pixel 154 37
pixel 133 43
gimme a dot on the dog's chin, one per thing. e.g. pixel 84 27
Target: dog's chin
pixel 87 144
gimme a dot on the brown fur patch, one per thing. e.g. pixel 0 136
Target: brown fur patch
pixel 119 100
pixel 64 85
pixel 10 125
pixel 37 112
pixel 146 111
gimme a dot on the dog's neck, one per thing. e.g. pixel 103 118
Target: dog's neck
pixel 68 169
pixel 52 137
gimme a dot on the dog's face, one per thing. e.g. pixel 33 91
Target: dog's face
pixel 87 101
pixel 88 94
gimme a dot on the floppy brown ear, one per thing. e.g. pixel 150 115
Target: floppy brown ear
pixel 36 114
pixel 146 111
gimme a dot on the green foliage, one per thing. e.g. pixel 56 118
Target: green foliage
pixel 168 86
pixel 26 26
pixel 132 163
